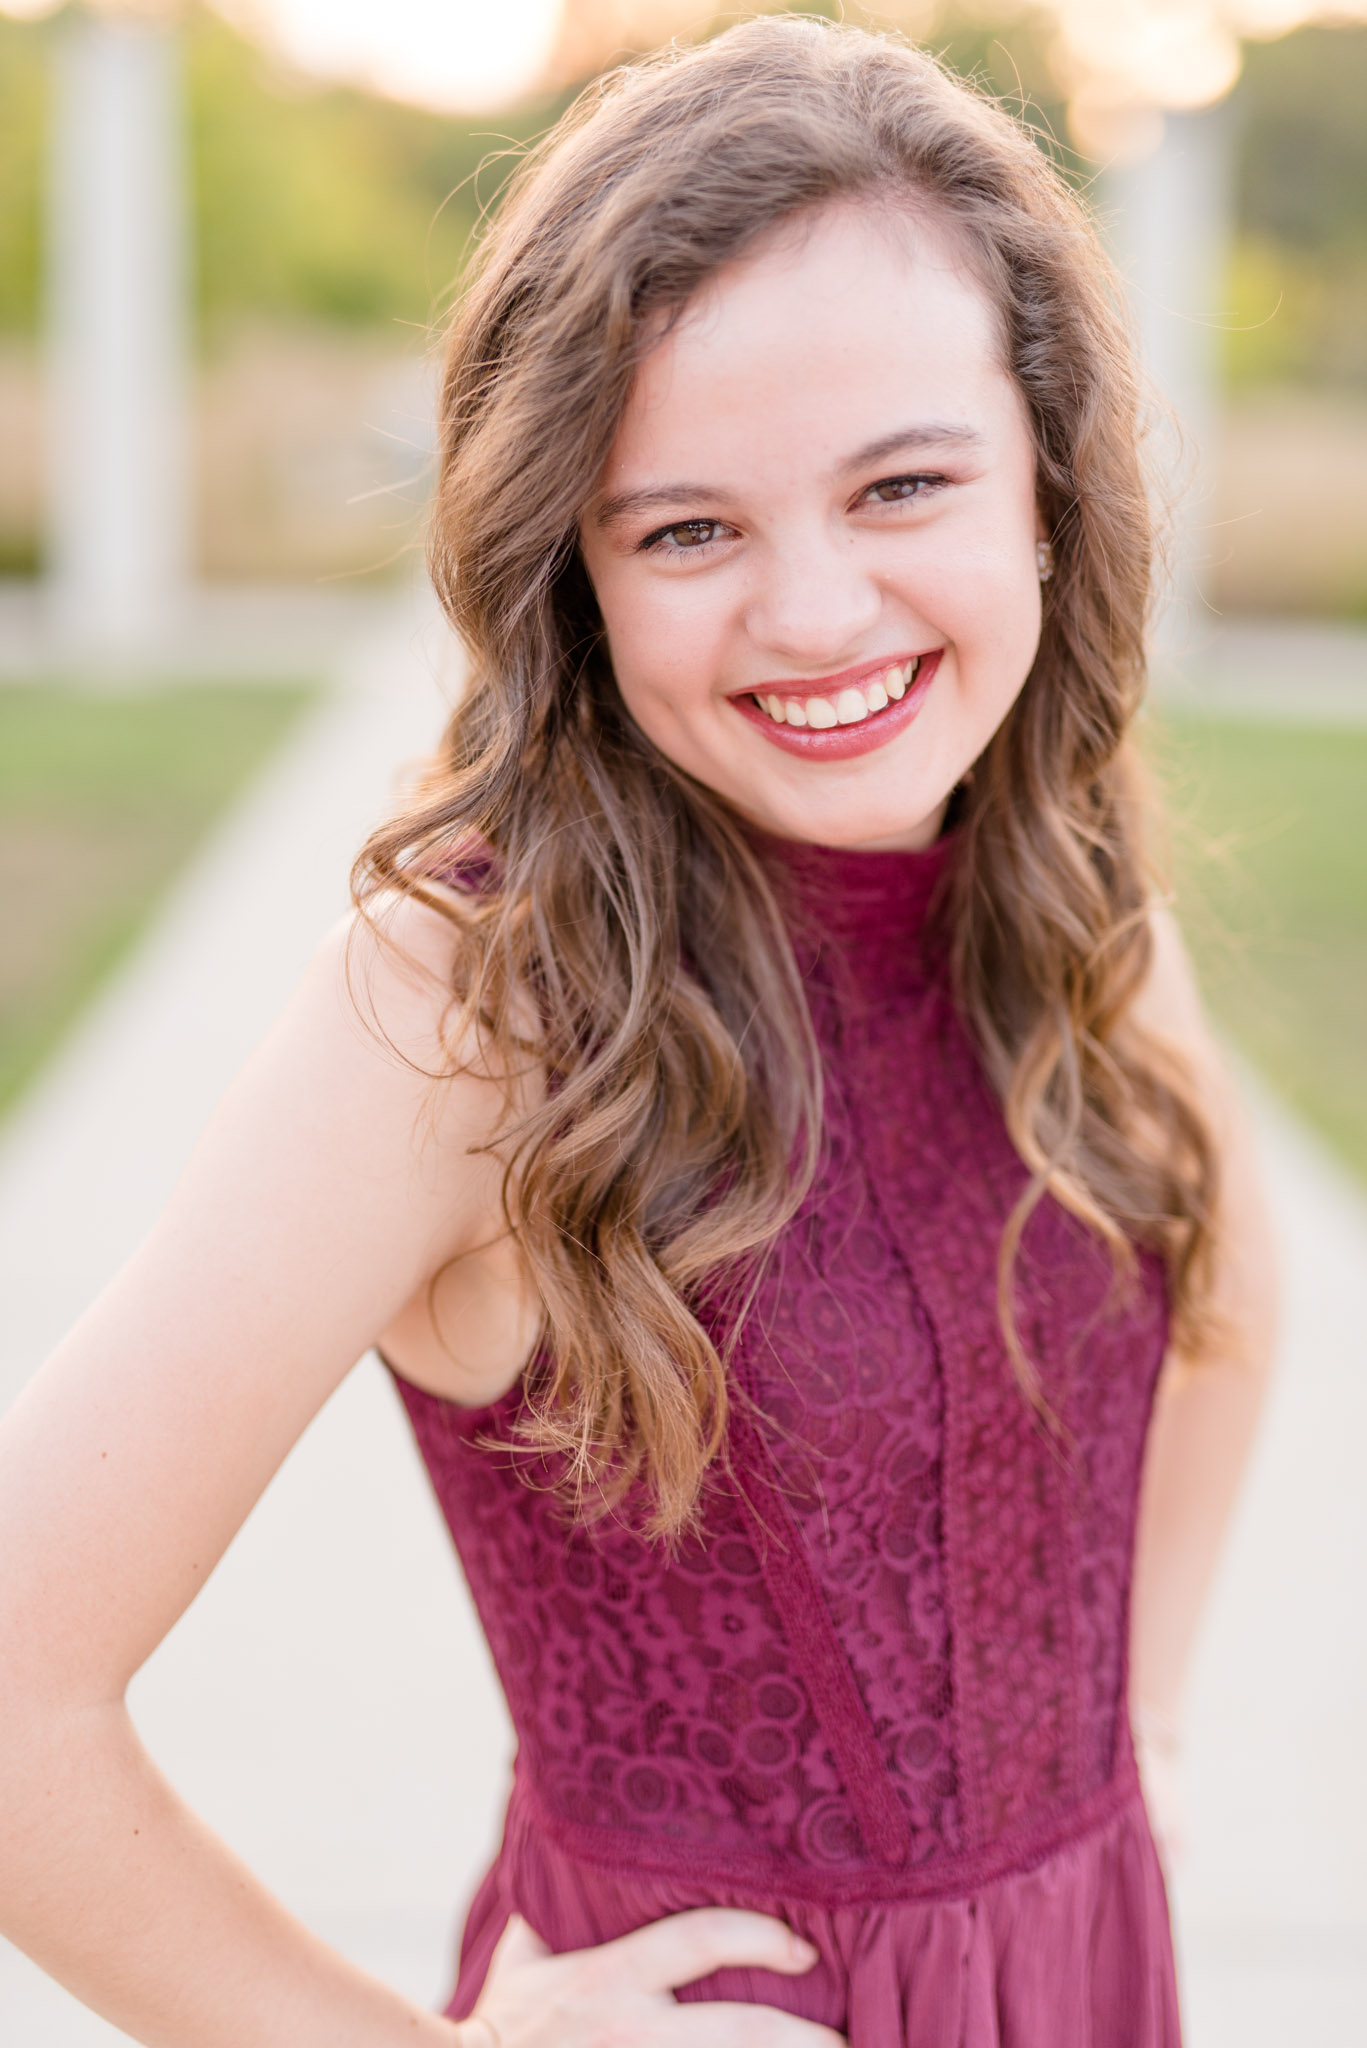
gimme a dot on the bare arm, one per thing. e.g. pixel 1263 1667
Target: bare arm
pixel 332 1183
pixel 1206 1412
pixel 324 1191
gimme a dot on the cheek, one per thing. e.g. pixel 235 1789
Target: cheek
pixel 984 596
pixel 998 651
pixel 664 638
pixel 1007 629
pixel 982 591
pixel 989 575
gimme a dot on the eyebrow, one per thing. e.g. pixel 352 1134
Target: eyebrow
pixel 903 440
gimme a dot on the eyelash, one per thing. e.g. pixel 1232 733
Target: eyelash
pixel 929 483
pixel 656 542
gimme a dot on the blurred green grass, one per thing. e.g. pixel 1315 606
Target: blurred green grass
pixel 1269 843
pixel 102 798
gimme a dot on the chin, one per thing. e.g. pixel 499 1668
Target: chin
pixel 851 825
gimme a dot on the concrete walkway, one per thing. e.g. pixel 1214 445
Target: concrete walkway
pixel 328 1702
pixel 1285 671
pixel 222 631
pixel 1272 1903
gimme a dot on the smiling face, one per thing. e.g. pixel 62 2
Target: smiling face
pixel 814 541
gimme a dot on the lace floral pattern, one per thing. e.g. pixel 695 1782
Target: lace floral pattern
pixel 899 1640
pixel 848 1378
pixel 649 1694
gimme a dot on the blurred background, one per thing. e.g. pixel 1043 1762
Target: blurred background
pixel 228 234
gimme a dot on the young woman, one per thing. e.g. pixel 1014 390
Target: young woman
pixel 762 1113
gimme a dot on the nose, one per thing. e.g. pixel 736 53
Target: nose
pixel 812 603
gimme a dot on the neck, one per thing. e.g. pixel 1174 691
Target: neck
pixel 914 839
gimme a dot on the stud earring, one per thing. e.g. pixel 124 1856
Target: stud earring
pixel 1044 560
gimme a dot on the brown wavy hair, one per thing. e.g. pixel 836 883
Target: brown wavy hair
pixel 622 904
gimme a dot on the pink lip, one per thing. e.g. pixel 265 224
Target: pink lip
pixel 841 742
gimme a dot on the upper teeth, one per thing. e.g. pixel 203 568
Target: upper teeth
pixel 849 705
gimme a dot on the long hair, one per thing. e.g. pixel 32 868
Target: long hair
pixel 624 937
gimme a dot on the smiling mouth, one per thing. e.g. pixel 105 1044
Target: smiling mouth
pixel 837 718
pixel 850 705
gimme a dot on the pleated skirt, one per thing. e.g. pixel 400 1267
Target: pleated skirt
pixel 1074 1952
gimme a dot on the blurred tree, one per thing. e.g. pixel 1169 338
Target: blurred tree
pixel 326 203
pixel 1298 291
pixel 23 122
pixel 1303 177
pixel 309 202
pixel 319 203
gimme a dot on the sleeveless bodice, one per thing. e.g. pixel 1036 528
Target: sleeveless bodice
pixel 891 1663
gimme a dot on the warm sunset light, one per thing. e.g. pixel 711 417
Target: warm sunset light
pixel 435 53
pixel 1119 60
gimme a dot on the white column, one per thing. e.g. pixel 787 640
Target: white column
pixel 1168 216
pixel 119 507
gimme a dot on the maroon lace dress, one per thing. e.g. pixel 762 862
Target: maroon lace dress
pixel 883 1695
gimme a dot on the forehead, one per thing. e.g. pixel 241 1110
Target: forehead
pixel 831 330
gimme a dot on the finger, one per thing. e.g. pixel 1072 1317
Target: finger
pixel 690 1945
pixel 723 2025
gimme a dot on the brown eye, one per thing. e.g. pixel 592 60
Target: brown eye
pixel 689 533
pixel 897 489
pixel 695 534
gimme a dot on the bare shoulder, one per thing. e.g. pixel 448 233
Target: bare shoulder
pixel 390 970
pixel 1170 1010
pixel 1170 1005
pixel 347 1164
pixel 469 1325
pixel 379 1006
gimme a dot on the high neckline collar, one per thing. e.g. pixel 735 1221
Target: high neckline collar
pixel 872 910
